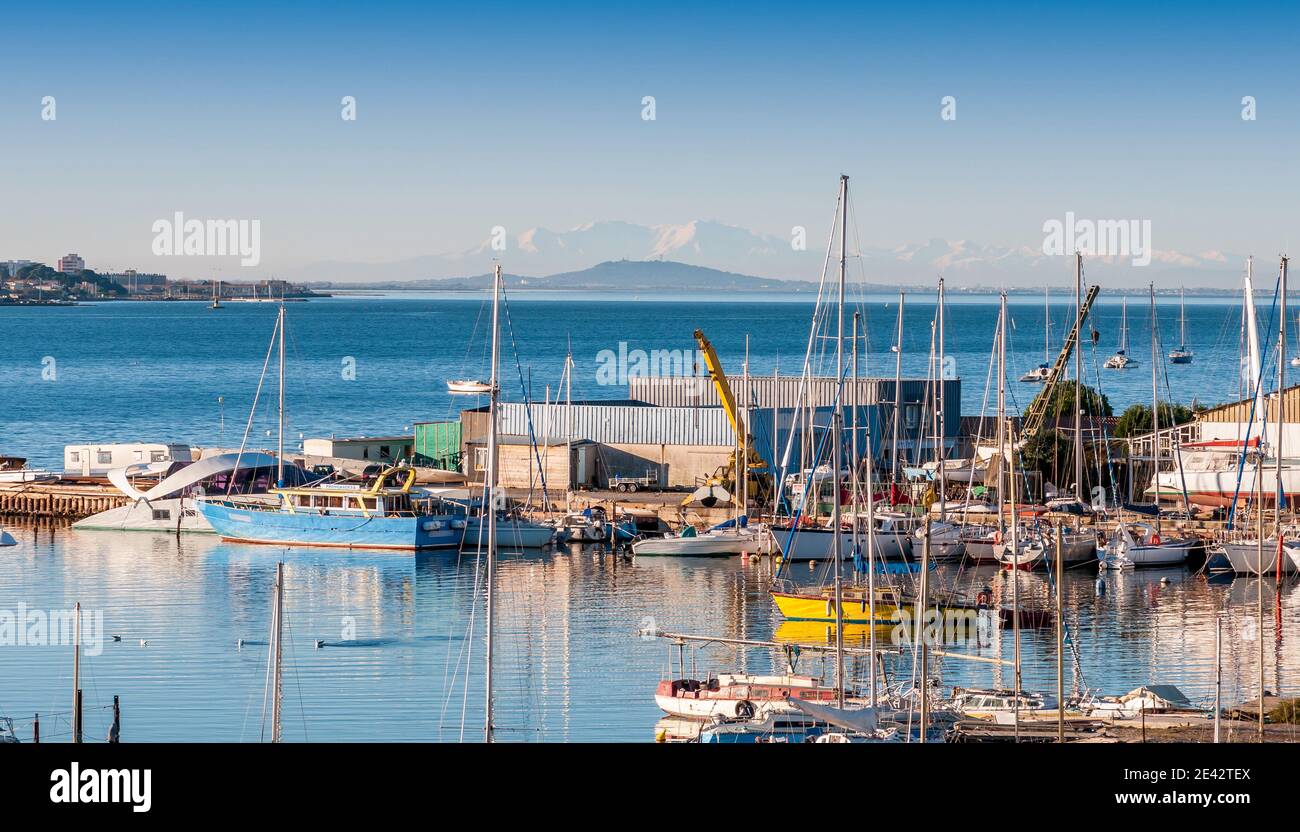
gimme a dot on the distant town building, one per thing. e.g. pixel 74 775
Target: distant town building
pixel 71 264
pixel 9 268
pixel 139 284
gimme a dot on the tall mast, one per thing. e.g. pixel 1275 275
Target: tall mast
pixel 940 451
pixel 742 507
pixel 1182 318
pixel 854 458
pixel 279 456
pixel 837 452
pixel 490 490
pixel 1007 474
pixel 1047 325
pixel 898 386
pixel 568 424
pixel 1078 376
pixel 1281 393
pixel 1155 405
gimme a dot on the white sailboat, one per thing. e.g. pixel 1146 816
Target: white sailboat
pixel 1273 555
pixel 1121 359
pixel 1043 371
pixel 1181 355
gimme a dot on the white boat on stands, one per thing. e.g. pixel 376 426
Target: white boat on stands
pixel 1139 544
pixel 168 506
pixel 753 539
pixel 1245 556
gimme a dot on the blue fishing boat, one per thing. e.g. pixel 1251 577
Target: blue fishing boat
pixel 344 515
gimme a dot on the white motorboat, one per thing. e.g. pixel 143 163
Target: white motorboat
pixel 1139 544
pixel 1038 375
pixel 747 540
pixel 169 505
pixel 978 703
pixel 1245 556
pixel 13 469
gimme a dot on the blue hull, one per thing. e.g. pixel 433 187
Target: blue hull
pixel 339 530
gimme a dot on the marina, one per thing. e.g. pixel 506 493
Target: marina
pixel 927 574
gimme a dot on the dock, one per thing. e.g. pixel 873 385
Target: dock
pixel 58 499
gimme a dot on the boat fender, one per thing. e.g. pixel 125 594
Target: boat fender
pixel 997 537
pixel 745 709
pixel 432 525
pixel 1155 539
pixel 1101 586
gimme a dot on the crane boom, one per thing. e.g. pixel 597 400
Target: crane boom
pixel 1036 414
pixel 728 399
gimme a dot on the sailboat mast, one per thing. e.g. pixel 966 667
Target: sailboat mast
pixel 1006 474
pixel 898 386
pixel 1078 376
pixel 279 456
pixel 76 673
pixel 490 491
pixel 942 433
pixel 837 452
pixel 1281 409
pixel 1155 404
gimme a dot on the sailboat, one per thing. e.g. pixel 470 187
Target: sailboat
pixel 1043 371
pixel 216 295
pixel 1275 554
pixel 1121 360
pixel 1141 544
pixel 1182 355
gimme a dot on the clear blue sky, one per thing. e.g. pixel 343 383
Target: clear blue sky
pixel 523 114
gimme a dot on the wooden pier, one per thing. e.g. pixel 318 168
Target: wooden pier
pixel 72 501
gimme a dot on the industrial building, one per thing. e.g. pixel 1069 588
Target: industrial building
pixel 675 429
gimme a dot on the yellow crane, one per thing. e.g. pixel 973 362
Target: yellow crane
pixel 726 474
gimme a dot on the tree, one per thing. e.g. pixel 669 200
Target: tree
pixel 1136 419
pixel 1062 402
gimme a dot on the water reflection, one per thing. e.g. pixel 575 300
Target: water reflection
pixel 401 637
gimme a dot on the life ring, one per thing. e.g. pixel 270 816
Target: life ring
pixel 745 709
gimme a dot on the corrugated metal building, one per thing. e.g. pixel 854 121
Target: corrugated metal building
pixel 785 391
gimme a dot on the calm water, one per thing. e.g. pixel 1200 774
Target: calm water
pixel 570 664
pixel 156 371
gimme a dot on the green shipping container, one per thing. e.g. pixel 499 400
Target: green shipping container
pixel 437 444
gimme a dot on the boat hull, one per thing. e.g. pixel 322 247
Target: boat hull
pixel 336 530
pixel 511 534
pixel 817 544
pixel 168 515
pixel 1244 557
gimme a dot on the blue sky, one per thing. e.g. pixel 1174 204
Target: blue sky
pixel 517 115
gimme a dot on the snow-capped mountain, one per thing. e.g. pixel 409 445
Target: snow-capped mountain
pixel 717 245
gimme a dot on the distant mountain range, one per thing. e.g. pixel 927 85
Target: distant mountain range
pixel 622 255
